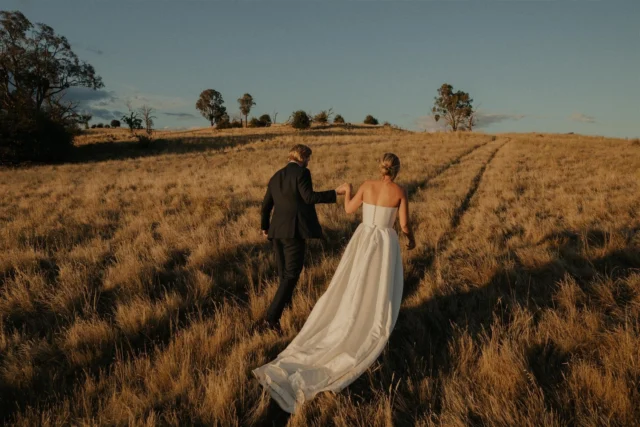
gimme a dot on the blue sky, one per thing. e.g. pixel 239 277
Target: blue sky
pixel 547 66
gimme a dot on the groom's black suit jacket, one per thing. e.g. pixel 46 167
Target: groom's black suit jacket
pixel 290 194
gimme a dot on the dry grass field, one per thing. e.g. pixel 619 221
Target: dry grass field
pixel 130 281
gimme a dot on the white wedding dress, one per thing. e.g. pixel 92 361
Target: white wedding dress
pixel 350 324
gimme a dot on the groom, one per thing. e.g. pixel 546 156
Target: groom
pixel 290 194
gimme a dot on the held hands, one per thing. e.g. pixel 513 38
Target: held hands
pixel 342 189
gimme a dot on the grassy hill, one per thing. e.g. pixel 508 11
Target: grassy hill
pixel 130 280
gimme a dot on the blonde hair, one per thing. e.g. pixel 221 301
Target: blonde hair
pixel 299 153
pixel 389 165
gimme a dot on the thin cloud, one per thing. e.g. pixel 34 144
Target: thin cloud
pixel 88 48
pixel 101 113
pixel 159 102
pixel 582 118
pixel 94 50
pixel 181 116
pixel 85 94
pixel 108 105
pixel 98 103
pixel 429 124
pixel 486 119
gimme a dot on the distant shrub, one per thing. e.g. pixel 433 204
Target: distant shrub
pixel 338 119
pixel 635 142
pixel 300 120
pixel 236 124
pixel 370 120
pixel 262 122
pixel 322 117
pixel 107 127
pixel 100 125
pixel 115 123
pixel 93 126
pixel 386 124
pixel 223 124
pixel 266 119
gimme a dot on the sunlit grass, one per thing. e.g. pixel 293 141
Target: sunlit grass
pixel 130 280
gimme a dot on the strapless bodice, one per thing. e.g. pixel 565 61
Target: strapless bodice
pixel 378 216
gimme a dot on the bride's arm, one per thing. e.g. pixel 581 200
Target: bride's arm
pixel 403 213
pixel 352 203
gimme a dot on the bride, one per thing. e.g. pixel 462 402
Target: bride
pixel 350 324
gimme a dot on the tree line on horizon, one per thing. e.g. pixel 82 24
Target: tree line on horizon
pixel 211 106
pixel 37 122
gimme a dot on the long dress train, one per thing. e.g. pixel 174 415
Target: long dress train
pixel 350 324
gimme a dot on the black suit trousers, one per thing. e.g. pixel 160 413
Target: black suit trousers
pixel 290 260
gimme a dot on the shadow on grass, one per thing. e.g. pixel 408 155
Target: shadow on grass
pixel 429 329
pixel 232 274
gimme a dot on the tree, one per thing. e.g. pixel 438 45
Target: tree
pixel 338 119
pixel 115 123
pixel 245 103
pixel 370 120
pixel 133 120
pixel 147 118
pixel 37 67
pixel 210 105
pixel 300 120
pixel 454 107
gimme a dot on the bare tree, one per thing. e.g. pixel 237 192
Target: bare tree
pixel 84 119
pixel 274 116
pixel 147 117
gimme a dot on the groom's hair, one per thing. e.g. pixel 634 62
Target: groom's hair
pixel 299 153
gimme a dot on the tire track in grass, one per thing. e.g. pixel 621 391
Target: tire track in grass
pixel 443 242
pixel 414 187
pixel 422 262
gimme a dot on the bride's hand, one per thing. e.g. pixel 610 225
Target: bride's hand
pixel 411 244
pixel 342 189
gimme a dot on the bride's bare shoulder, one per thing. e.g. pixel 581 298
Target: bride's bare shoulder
pixel 398 187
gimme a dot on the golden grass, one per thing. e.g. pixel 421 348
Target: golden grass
pixel 130 280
